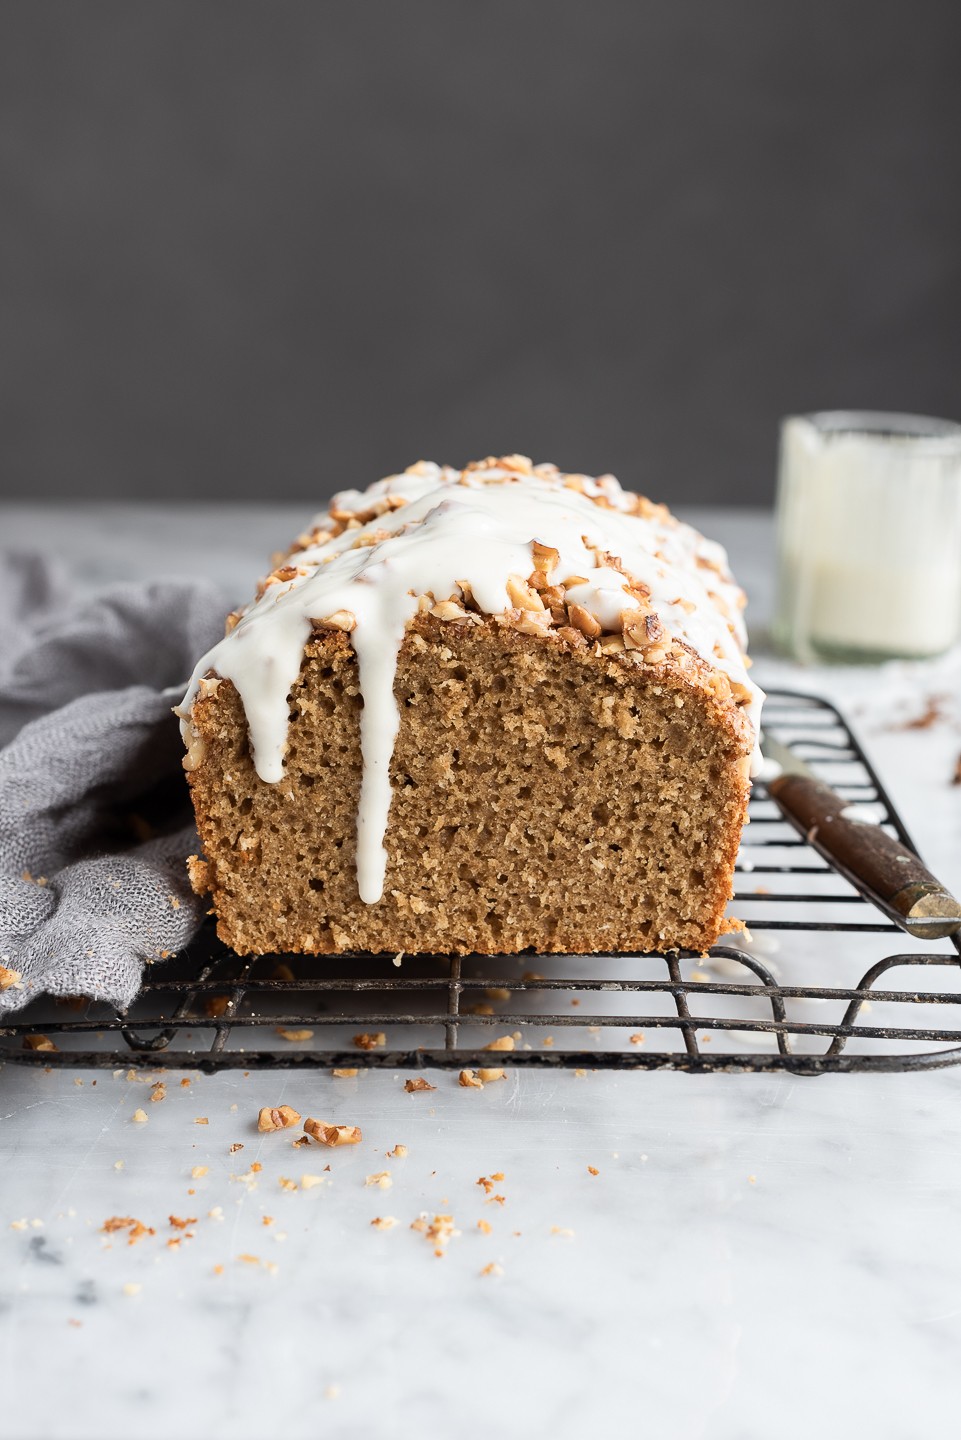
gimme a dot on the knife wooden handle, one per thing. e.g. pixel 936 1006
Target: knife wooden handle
pixel 881 868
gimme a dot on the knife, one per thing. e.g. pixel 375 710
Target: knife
pixel 883 870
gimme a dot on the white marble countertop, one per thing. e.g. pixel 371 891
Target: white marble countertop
pixel 757 1255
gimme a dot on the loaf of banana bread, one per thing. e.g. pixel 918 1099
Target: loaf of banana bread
pixel 489 710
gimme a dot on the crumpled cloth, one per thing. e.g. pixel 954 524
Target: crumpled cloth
pixel 95 818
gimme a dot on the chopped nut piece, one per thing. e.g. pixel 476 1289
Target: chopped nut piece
pixel 182 1224
pixel 9 978
pixel 382 1180
pixel 287 1184
pixel 398 1152
pixel 493 1269
pixel 344 1074
pixel 132 1287
pixel 488 1076
pixel 201 1120
pixel 140 1117
pixel 561 1230
pixel 412 1086
pixel 307 1182
pixel 593 1170
pixel 637 1039
pixel 237 1145
pixel 279 1117
pixel 158 1091
pixel 469 1080
pixel 371 1042
pixel 199 1171
pixel 294 1035
pixel 485 1227
pixel 384 1222
pixel 326 1134
pixel 506 1042
pixel 37 1042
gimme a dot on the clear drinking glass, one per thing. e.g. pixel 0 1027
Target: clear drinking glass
pixel 868 536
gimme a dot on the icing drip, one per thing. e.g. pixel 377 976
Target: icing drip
pixel 440 532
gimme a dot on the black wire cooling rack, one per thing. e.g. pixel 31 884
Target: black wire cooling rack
pixel 808 988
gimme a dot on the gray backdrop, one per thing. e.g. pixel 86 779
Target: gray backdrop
pixel 271 249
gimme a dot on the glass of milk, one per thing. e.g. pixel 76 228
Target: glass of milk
pixel 868 536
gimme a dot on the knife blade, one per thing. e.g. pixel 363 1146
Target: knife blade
pixel 883 870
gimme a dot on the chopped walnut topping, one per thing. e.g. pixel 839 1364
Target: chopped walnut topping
pixel 489 1076
pixel 412 1086
pixel 370 1042
pixel 384 1222
pixel 140 1117
pixel 135 1229
pixel 382 1180
pixel 9 978
pixel 398 1152
pixel 158 1092
pixel 279 1117
pixel 237 1145
pixel 182 1224
pixel 326 1134
pixel 469 1080
pixel 294 1035
pixel 593 1170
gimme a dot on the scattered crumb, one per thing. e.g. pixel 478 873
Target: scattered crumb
pixel 135 1229
pixel 505 1042
pixel 332 1392
pixel 497 992
pixel 326 1134
pixel 493 1269
pixel 300 1141
pixel 752 1179
pixel 384 1222
pixel 216 1005
pixel 294 1035
pixel 278 1117
pixel 18 1224
pixel 119 1164
pixel 249 1259
pixel 469 1080
pixel 201 1120
pixel 375 1041
pixel 217 1213
pixel 344 1074
pixel 382 1180
pixel 37 1042
pixel 286 1184
pixel 637 1039
pixel 180 1223
pixel 158 1091
pixel 412 1086
pixel 9 978
pixel 399 1152
pixel 218 1269
pixel 439 1231
pixel 485 1227
pixel 489 1076
pixel 237 1145
pixel 593 1170
pixel 562 1231
pixel 140 1117
pixel 184 1085
pixel 579 1074
pixel 132 1288
pixel 307 1182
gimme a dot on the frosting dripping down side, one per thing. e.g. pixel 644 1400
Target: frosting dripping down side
pixel 528 544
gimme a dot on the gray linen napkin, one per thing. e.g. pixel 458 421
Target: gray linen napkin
pixel 95 822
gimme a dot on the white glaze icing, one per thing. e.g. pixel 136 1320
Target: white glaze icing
pixel 478 527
